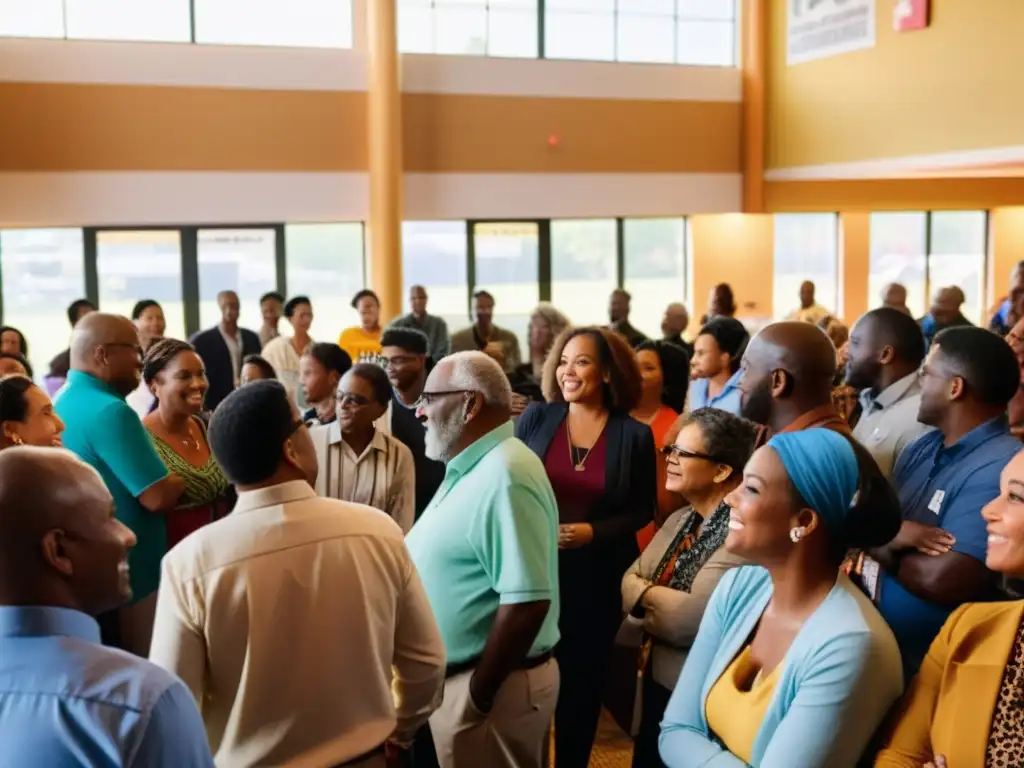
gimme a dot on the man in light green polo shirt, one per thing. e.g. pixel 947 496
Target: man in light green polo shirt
pixel 486 550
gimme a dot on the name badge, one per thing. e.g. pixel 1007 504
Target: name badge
pixel 935 505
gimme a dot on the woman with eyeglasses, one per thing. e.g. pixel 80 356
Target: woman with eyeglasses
pixel 601 463
pixel 359 462
pixel 666 590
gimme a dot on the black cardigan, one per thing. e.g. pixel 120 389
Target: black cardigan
pixel 631 476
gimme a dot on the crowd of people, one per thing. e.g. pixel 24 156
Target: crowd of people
pixel 416 548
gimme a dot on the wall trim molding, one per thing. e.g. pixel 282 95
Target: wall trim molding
pixel 995 161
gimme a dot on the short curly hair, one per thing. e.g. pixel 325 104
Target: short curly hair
pixel 616 359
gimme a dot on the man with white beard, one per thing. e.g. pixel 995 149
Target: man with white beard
pixel 486 551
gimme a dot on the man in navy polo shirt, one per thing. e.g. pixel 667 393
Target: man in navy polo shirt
pixel 937 561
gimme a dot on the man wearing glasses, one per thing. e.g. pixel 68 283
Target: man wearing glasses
pixel 106 366
pixel 359 462
pixel 486 549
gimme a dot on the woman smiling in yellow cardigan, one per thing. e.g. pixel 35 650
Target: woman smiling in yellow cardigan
pixel 965 709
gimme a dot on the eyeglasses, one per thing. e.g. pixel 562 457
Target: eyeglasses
pixel 682 453
pixel 345 398
pixel 122 345
pixel 387 362
pixel 429 397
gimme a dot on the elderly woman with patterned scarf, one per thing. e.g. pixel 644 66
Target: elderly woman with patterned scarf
pixel 666 589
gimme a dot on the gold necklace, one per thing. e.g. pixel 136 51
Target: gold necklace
pixel 581 465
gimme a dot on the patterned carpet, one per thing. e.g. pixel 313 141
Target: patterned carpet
pixel 613 748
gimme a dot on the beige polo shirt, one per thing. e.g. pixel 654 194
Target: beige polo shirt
pixel 301 627
pixel 888 421
pixel 382 476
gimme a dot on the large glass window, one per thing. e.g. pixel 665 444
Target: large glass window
pixel 474 27
pixel 298 23
pixel 325 263
pixel 434 256
pixel 806 248
pixel 239 260
pixel 957 256
pixel 583 264
pixel 507 255
pixel 655 269
pixel 141 264
pixel 898 244
pixel 31 18
pixel 701 32
pixel 43 272
pixel 157 20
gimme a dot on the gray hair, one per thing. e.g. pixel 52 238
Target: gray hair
pixel 476 372
pixel 727 438
pixel 556 321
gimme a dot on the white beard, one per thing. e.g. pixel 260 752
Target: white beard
pixel 441 437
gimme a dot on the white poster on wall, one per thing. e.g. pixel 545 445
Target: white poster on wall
pixel 817 29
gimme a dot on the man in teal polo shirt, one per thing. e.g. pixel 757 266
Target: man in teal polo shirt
pixel 486 551
pixel 107 434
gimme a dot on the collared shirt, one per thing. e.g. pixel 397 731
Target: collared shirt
pixel 469 339
pixel 726 400
pixel 383 476
pixel 106 433
pixel 944 487
pixel 268 334
pixel 289 620
pixel 436 330
pixel 489 538
pixel 813 314
pixel 824 417
pixel 234 345
pixel 281 355
pixel 888 421
pixel 66 700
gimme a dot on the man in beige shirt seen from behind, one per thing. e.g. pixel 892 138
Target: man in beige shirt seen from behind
pixel 359 462
pixel 299 623
pixel 884 355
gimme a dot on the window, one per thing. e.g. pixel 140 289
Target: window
pixel 474 27
pixel 898 244
pixel 434 256
pixel 325 263
pixel 957 257
pixel 31 18
pixel 806 248
pixel 298 23
pixel 655 269
pixel 141 264
pixel 583 268
pixel 239 260
pixel 699 32
pixel 43 272
pixel 156 20
pixel 507 255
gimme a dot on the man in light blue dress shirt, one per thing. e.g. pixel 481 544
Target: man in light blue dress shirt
pixel 65 700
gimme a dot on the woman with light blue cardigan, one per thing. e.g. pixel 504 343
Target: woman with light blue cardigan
pixel 793 667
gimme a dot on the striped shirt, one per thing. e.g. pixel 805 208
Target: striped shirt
pixel 383 476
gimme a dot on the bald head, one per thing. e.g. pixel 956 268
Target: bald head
pixel 675 320
pixel 946 305
pixel 894 295
pixel 59 543
pixel 107 347
pixel 788 370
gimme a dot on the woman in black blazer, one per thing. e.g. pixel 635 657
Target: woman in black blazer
pixel 601 464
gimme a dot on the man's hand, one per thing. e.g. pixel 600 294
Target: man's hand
pixel 575 535
pixel 938 762
pixel 519 403
pixel 926 539
pixel 496 352
pixel 482 701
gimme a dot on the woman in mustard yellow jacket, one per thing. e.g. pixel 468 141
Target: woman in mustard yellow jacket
pixel 965 708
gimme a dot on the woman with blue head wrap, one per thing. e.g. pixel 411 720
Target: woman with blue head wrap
pixel 793 666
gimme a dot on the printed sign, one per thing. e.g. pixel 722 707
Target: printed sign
pixel 817 29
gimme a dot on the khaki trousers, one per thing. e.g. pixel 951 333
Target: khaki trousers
pixel 512 735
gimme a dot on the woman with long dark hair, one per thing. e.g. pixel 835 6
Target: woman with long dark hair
pixel 601 463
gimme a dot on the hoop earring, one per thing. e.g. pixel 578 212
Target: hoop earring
pixel 795 534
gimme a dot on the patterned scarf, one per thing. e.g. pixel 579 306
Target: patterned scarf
pixel 684 558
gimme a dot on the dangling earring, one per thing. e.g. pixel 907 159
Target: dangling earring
pixel 795 534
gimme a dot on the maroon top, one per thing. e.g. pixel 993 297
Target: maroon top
pixel 575 492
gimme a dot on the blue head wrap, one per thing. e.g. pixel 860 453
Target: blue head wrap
pixel 823 468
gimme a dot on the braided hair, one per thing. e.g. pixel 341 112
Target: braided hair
pixel 158 357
